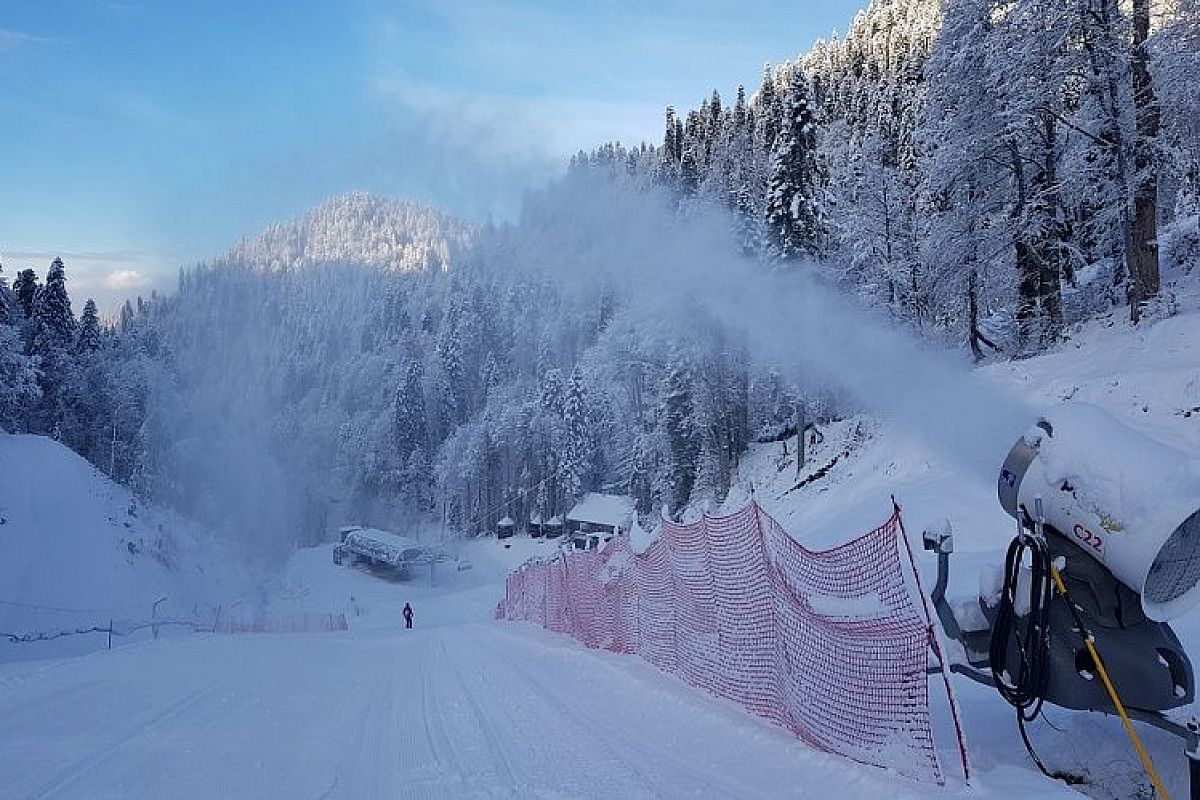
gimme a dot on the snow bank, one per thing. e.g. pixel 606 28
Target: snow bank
pixel 77 550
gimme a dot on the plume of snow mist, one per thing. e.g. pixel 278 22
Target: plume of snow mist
pixel 667 264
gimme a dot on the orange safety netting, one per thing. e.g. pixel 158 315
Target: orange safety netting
pixel 827 644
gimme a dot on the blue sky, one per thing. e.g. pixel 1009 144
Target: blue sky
pixel 141 136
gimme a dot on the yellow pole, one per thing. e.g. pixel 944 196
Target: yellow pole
pixel 1112 693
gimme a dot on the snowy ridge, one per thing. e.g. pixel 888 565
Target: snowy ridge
pixel 360 229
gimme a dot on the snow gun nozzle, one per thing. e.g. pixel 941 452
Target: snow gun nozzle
pixel 1130 502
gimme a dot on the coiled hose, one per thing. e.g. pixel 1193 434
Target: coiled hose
pixel 1025 690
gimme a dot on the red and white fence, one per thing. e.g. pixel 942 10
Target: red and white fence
pixel 827 644
pixel 291 623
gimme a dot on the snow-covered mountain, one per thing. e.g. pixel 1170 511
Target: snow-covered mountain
pixel 361 229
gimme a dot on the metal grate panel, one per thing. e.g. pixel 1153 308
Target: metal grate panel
pixel 1176 568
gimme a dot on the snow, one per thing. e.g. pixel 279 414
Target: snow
pixel 603 509
pixel 639 539
pixel 77 550
pixel 862 607
pixel 1138 482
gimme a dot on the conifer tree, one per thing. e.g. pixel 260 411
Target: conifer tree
pixel 19 386
pixel 54 322
pixel 671 152
pixel 409 424
pixel 25 287
pixel 453 382
pixel 793 216
pixel 492 379
pixel 88 339
pixel 126 317
pixel 680 430
pixel 577 453
pixel 10 308
pixel 550 395
pixel 53 338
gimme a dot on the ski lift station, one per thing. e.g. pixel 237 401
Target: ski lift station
pixel 383 551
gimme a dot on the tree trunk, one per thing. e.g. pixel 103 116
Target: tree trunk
pixel 1028 273
pixel 1104 49
pixel 1053 244
pixel 975 337
pixel 1143 255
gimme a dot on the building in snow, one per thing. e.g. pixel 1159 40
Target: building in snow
pixel 535 525
pixel 553 527
pixel 597 518
pixel 505 528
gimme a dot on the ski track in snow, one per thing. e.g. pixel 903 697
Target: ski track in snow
pixel 143 729
pixel 460 707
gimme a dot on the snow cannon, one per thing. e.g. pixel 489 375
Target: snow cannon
pixel 1128 501
pixel 1106 551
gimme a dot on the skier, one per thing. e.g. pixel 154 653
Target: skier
pixel 408 615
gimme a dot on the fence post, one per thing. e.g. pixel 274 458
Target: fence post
pixel 154 616
pixel 935 644
pixel 110 626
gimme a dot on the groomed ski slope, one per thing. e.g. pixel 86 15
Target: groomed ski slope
pixel 462 706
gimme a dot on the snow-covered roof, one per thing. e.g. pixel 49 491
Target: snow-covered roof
pixel 536 519
pixel 555 520
pixel 387 537
pixel 507 522
pixel 603 509
pixel 385 545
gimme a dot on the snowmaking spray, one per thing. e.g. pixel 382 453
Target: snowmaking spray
pixel 1107 551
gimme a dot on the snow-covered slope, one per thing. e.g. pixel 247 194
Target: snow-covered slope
pixel 360 229
pixel 77 550
pixel 1148 377
pixel 459 707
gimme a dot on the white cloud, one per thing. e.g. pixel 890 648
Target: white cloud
pixel 11 40
pixel 124 280
pixel 513 126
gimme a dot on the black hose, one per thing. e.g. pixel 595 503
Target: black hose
pixel 1026 690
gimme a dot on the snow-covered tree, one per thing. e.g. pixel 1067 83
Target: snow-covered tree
pixel 793 214
pixel 578 455
pixel 680 432
pixel 19 385
pixel 54 322
pixel 87 340
pixel 25 287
